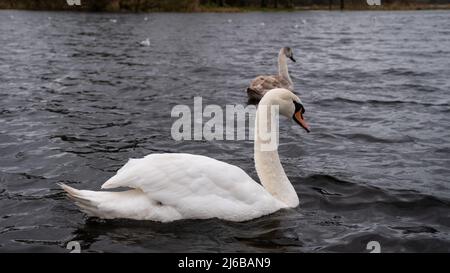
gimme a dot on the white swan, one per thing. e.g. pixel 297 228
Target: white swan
pixel 262 84
pixel 168 187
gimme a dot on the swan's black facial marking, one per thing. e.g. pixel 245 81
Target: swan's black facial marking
pixel 298 116
pixel 288 52
pixel 298 107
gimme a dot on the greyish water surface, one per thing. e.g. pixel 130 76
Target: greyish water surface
pixel 79 96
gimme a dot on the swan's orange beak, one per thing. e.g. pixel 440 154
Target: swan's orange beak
pixel 298 117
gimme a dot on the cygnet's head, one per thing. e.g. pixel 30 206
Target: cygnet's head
pixel 288 53
pixel 289 105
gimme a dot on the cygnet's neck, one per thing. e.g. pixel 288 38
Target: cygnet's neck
pixel 282 66
pixel 267 162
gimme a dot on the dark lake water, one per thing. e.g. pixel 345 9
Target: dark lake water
pixel 79 96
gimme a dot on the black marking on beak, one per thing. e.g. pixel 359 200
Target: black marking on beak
pixel 298 116
pixel 299 107
pixel 292 58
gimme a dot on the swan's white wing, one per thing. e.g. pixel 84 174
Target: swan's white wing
pixel 196 186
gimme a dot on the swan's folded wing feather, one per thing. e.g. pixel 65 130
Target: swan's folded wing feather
pixel 263 84
pixel 193 184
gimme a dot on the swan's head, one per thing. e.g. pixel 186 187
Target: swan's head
pixel 287 51
pixel 289 105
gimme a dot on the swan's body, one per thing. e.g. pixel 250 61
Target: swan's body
pixel 262 84
pixel 168 187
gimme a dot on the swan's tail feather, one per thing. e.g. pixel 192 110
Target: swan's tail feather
pixel 133 204
pixel 83 199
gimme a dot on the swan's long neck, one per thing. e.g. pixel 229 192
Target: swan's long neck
pixel 282 66
pixel 267 162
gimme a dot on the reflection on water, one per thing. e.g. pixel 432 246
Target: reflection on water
pixel 79 96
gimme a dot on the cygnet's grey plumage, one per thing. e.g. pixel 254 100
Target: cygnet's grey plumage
pixel 262 84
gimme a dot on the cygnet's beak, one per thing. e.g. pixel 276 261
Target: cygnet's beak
pixel 292 58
